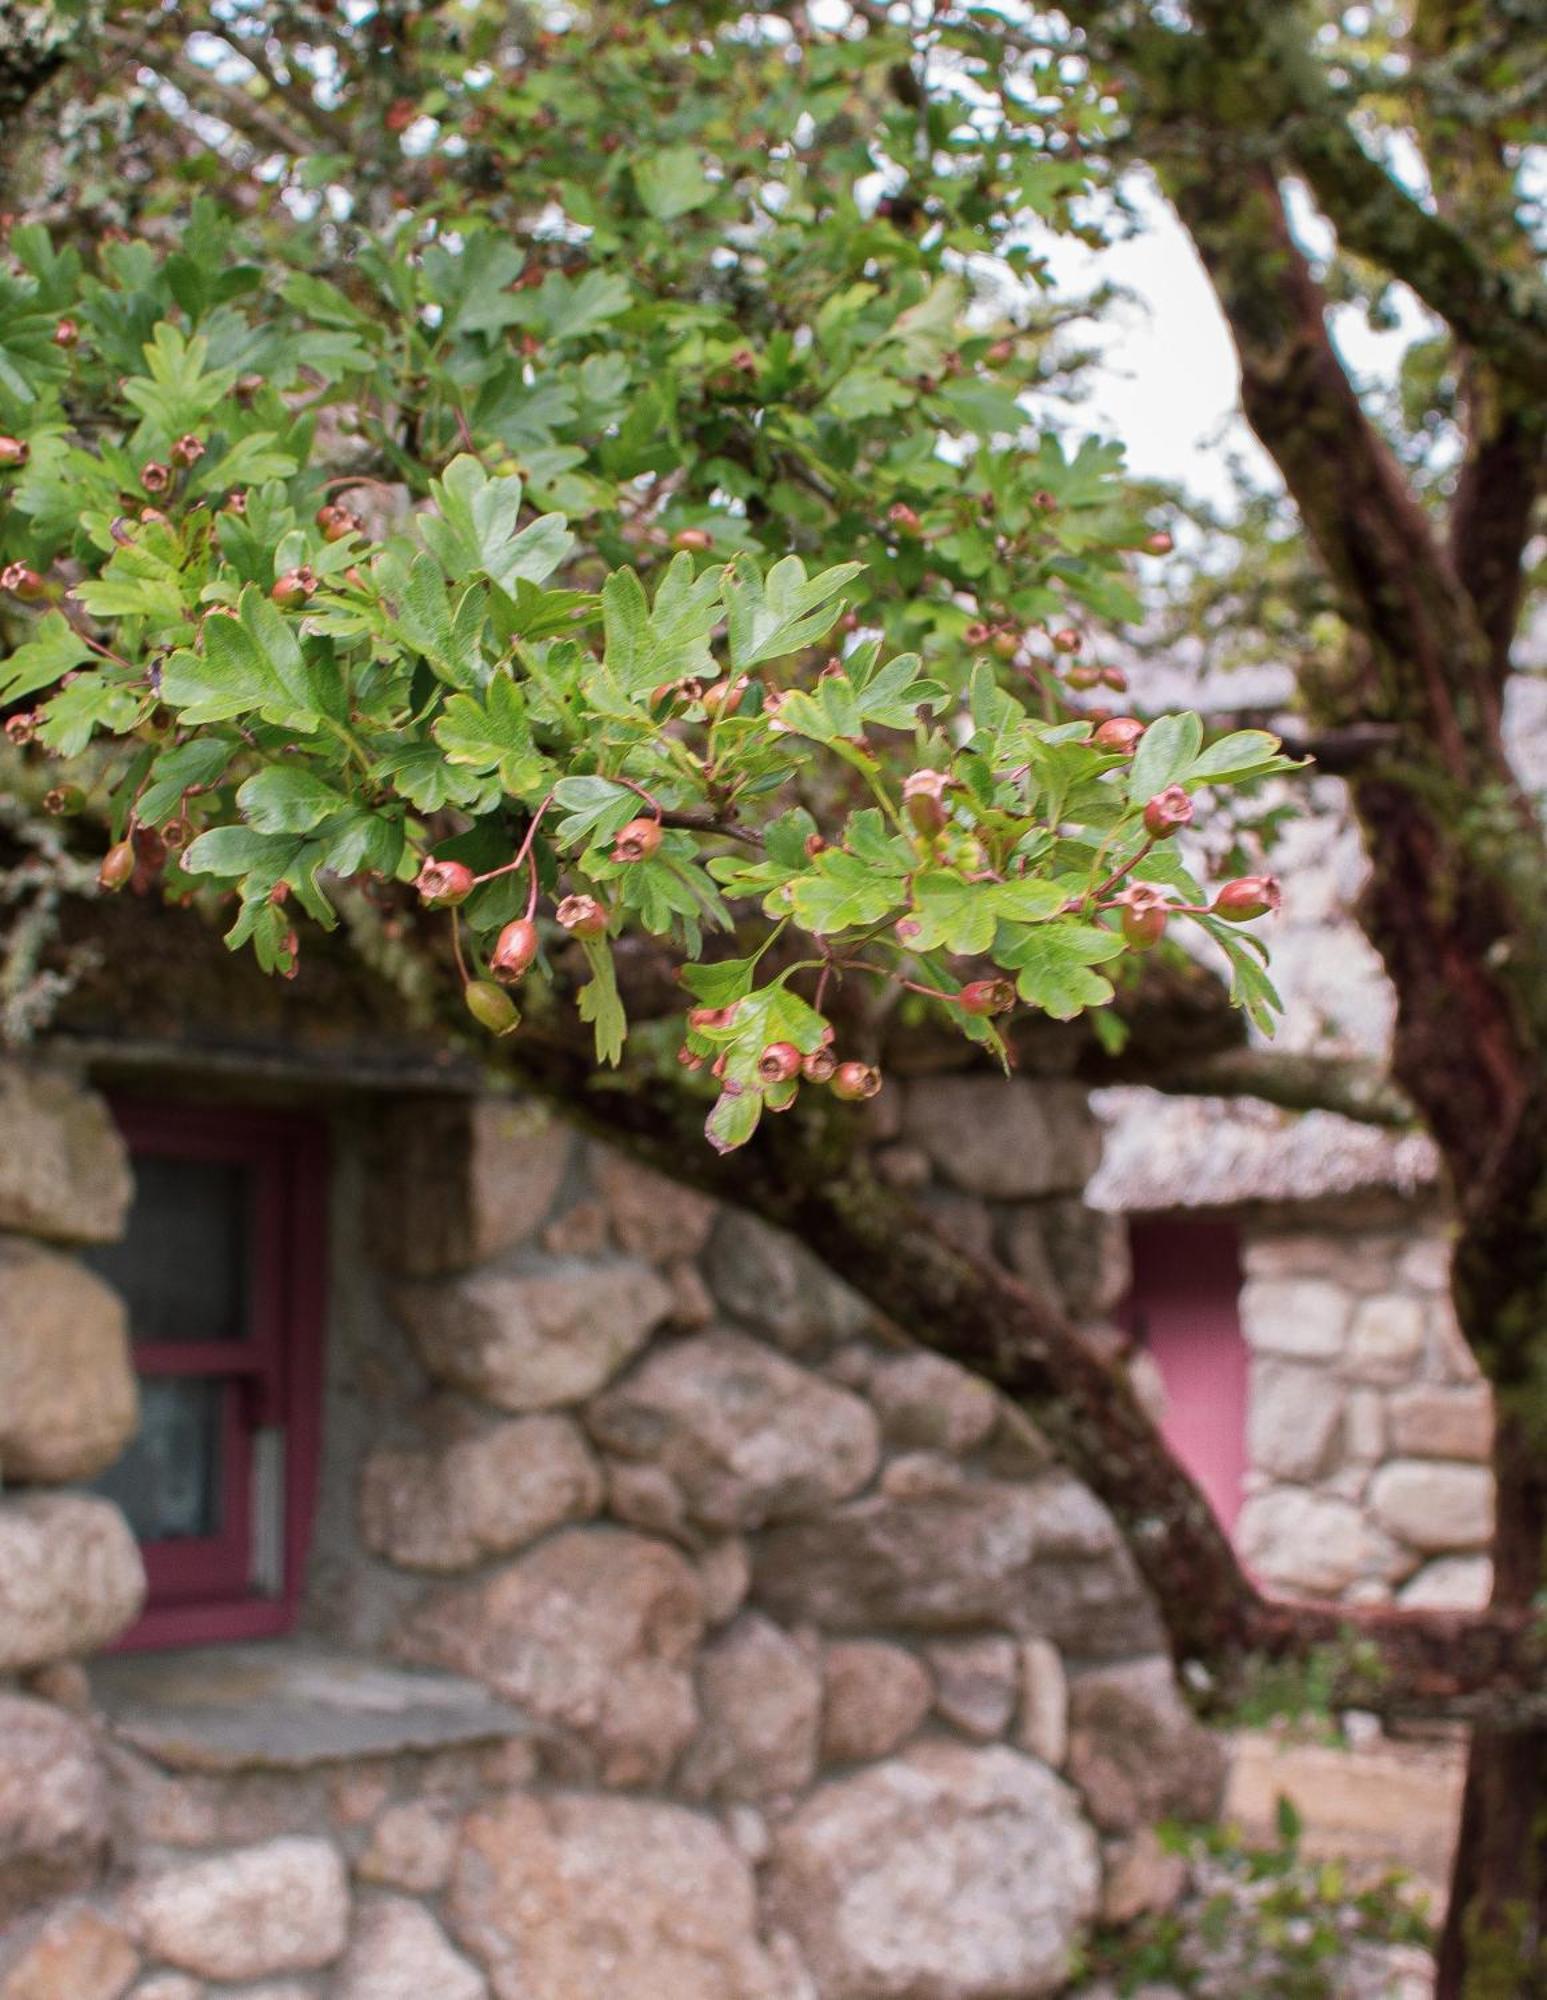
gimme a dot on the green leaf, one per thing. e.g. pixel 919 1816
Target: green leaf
pixel 648 645
pixel 359 842
pixel 450 639
pixel 563 309
pixel 200 763
pixel 733 1119
pixel 288 798
pixel 1053 963
pixel 1244 753
pixel 54 650
pixel 1250 986
pixel 952 915
pixel 472 286
pixel 477 529
pixel 774 616
pixel 960 916
pixel 248 462
pixel 239 850
pixel 595 808
pixel 866 392
pixel 891 698
pixel 178 390
pixel 719 984
pixel 492 733
pixel 1027 901
pixel 421 773
pixel 599 1002
pixel 843 893
pixel 252 664
pixel 95 701
pixel 1164 756
pixel 671 183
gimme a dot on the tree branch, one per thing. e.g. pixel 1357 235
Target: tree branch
pixel 1351 1087
pixel 238 109
pixel 807 1171
pixel 1247 70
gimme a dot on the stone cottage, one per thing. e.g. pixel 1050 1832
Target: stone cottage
pixel 438 1557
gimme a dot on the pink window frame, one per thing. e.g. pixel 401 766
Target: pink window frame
pixel 199 1587
pixel 1184 1306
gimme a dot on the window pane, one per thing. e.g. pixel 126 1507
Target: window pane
pixel 168 1481
pixel 183 1264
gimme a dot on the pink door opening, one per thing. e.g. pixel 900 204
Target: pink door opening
pixel 1185 1308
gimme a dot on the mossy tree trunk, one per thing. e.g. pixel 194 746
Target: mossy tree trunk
pixel 1456 903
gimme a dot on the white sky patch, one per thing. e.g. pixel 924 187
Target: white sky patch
pixel 1166 385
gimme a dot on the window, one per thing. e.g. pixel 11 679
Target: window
pixel 222 1270
pixel 1185 1308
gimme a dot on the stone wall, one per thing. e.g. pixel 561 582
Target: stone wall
pixel 824 1681
pixel 1369 1429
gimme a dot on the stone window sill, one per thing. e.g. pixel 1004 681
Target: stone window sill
pixel 288 1704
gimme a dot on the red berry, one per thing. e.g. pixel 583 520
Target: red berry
pixel 1167 811
pixel 977 633
pixel 117 865
pixel 443 883
pixel 155 477
pixel 1115 678
pixel 64 799
pixel 188 449
pixel 778 1063
pixel 694 539
pixel 1144 915
pixel 582 916
pixel 514 950
pixel 855 1081
pixel 923 798
pixel 400 114
pixel 986 996
pixel 291 590
pixel 1247 897
pixel 1005 644
pixel 723 697
pixel 22 582
pixel 1067 640
pixel 66 333
pixel 1159 544
pixel 22 727
pixel 337 522
pixel 1120 733
pixel 637 841
pixel 903 518
pixel 703 1018
pixel 819 1066
pixel 14 451
pixel 491 1006
pixel 1081 678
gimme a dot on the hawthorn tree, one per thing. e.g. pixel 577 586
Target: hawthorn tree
pixel 589 501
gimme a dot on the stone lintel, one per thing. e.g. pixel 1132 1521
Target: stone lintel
pixel 289 1705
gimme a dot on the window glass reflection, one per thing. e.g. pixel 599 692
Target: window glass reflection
pixel 168 1481
pixel 182 1266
